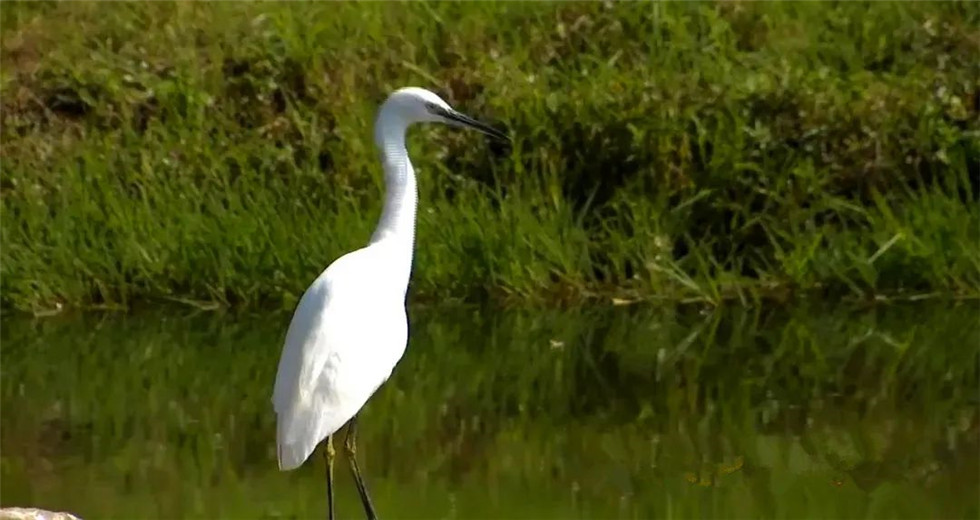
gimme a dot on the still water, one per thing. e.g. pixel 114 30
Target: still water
pixel 602 412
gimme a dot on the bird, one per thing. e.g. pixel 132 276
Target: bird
pixel 350 327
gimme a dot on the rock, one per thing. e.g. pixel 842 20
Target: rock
pixel 31 513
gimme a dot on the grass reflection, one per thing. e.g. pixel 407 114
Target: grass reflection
pixel 595 412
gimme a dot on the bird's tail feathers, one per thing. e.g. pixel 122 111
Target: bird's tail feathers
pixel 296 437
pixel 301 427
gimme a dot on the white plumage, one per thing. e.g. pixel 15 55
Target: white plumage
pixel 350 327
pixel 348 332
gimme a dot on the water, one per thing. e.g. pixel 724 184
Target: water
pixel 598 412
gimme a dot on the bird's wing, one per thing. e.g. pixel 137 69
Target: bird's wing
pixel 303 400
pixel 301 360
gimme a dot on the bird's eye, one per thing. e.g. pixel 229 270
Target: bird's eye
pixel 432 107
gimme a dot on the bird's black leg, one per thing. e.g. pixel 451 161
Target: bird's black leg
pixel 329 454
pixel 350 447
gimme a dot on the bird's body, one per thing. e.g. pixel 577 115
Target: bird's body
pixel 319 389
pixel 350 328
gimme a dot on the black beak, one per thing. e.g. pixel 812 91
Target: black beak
pixel 468 122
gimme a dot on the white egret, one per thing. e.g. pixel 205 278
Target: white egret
pixel 350 327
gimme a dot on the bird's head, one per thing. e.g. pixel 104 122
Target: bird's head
pixel 418 105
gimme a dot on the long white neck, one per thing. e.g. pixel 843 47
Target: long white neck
pixel 396 229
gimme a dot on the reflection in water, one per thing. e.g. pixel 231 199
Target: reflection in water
pixel 596 412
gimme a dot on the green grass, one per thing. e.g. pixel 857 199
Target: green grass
pixel 220 153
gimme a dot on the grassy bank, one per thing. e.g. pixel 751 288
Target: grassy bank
pixel 221 154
